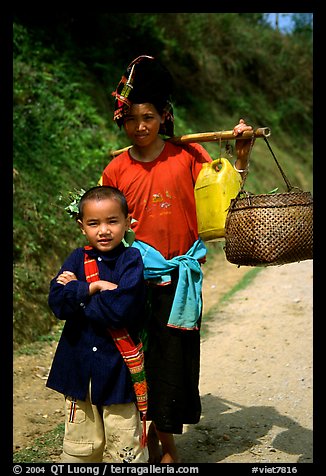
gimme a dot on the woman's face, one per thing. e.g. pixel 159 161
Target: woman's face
pixel 142 124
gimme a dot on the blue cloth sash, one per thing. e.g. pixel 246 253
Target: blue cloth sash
pixel 187 303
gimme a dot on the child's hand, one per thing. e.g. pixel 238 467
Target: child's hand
pixel 66 277
pixel 101 286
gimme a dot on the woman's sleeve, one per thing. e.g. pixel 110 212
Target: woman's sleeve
pixel 109 176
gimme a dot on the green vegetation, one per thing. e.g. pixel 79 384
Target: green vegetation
pixel 43 447
pixel 214 311
pixel 37 347
pixel 225 65
pixel 242 284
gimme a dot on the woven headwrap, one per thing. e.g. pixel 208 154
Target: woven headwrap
pixel 146 80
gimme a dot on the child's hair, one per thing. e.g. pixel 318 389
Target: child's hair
pixel 101 192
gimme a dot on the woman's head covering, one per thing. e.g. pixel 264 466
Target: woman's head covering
pixel 145 80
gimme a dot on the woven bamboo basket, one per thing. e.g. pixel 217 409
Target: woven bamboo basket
pixel 270 229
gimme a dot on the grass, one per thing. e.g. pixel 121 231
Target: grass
pixel 36 347
pixel 213 311
pixel 242 284
pixel 43 449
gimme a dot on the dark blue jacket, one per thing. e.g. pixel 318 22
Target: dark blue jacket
pixel 85 350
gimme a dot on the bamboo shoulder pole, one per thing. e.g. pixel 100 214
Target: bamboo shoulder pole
pixel 221 135
pixel 210 137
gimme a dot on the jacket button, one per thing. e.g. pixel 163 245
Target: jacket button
pixel 94 349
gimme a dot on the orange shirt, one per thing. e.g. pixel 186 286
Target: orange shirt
pixel 160 195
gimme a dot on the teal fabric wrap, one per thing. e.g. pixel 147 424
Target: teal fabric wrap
pixel 187 304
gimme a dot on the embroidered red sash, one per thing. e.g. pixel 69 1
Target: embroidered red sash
pixel 132 354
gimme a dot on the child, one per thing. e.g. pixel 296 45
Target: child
pixel 158 179
pixel 99 291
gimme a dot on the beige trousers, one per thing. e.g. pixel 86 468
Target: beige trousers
pixel 92 431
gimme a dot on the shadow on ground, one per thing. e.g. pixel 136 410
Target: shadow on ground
pixel 227 428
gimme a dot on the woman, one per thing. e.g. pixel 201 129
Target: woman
pixel 158 178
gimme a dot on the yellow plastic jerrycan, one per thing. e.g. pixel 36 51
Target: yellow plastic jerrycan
pixel 216 184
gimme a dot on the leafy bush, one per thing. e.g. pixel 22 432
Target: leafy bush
pixel 60 142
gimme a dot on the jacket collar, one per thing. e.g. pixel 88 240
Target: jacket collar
pixel 108 256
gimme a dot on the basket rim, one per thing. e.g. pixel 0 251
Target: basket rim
pixel 243 194
pixel 245 201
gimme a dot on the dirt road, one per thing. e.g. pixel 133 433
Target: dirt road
pixel 256 373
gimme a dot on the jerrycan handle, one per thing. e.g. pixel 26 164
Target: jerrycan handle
pixel 214 164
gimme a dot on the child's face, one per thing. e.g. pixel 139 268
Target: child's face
pixel 142 124
pixel 103 223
